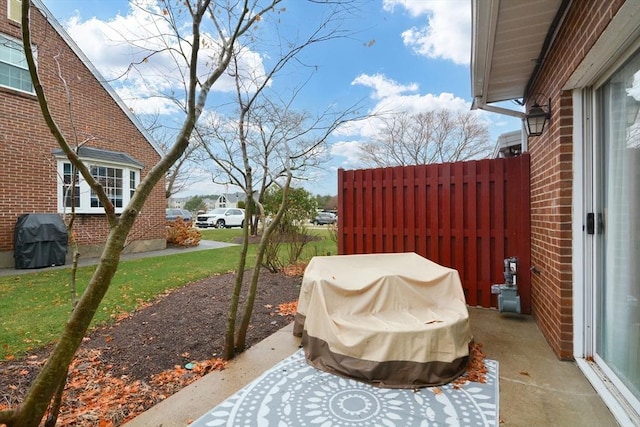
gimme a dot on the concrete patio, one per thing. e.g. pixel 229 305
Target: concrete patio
pixel 536 389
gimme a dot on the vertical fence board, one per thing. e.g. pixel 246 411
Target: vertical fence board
pixel 445 213
pixel 421 210
pixel 498 207
pixel 389 216
pixel 378 209
pixel 409 212
pixel 471 245
pixel 458 210
pixel 433 245
pixel 465 215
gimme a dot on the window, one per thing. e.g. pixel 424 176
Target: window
pixel 14 72
pixel 70 186
pixel 111 180
pixel 133 182
pixel 118 173
pixel 14 10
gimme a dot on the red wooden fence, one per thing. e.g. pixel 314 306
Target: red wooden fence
pixel 467 215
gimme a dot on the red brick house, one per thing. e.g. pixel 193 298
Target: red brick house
pixel 33 172
pixel 580 62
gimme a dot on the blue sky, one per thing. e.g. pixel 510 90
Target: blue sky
pixel 406 55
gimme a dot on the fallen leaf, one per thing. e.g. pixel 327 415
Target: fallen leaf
pixel 476 368
pixel 288 308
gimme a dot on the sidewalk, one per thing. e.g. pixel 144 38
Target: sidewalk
pixel 203 246
pixel 536 389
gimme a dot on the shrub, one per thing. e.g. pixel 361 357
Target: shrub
pixel 182 234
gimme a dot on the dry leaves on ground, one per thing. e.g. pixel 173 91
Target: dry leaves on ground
pixel 288 308
pixel 295 270
pixel 94 396
pixel 123 369
pixel 476 368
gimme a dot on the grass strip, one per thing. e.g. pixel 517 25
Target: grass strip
pixel 36 305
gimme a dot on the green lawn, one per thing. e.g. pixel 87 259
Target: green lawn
pixel 221 235
pixel 35 305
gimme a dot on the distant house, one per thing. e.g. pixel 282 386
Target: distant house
pixel 230 200
pixel 177 202
pixel 577 64
pixel 34 173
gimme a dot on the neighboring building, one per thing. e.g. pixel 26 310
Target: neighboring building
pixel 177 202
pixel 229 200
pixel 583 59
pixel 509 144
pixel 33 173
pixel 210 202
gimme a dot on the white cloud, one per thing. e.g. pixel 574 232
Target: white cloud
pixel 447 33
pixel 634 90
pixel 349 151
pixel 140 58
pixel 390 97
pixel 393 97
pixel 382 86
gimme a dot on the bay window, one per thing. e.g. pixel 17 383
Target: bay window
pixel 118 173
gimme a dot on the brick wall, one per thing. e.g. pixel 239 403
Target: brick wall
pixel 552 174
pixel 28 181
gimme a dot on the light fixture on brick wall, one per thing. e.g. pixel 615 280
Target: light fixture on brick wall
pixel 537 118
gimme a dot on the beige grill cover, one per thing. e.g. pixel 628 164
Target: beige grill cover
pixel 393 320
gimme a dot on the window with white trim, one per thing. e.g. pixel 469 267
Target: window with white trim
pixel 73 190
pixel 14 10
pixel 14 71
pixel 133 182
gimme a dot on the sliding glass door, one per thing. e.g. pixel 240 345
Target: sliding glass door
pixel 615 226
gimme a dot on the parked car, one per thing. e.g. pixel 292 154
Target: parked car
pixel 221 218
pixel 325 218
pixel 171 214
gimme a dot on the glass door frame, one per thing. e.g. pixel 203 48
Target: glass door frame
pixel 588 253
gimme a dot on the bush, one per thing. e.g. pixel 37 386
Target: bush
pixel 182 234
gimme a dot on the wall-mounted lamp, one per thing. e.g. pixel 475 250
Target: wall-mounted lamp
pixel 537 117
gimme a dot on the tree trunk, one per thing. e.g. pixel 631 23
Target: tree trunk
pixel 232 314
pixel 35 404
pixel 253 287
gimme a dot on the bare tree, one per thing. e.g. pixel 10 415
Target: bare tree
pixel 232 23
pixel 181 173
pixel 267 143
pixel 430 137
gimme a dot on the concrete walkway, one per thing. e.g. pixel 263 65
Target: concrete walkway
pixel 536 389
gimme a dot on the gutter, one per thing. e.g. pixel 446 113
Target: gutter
pixel 479 104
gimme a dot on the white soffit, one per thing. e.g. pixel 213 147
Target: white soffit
pixel 507 39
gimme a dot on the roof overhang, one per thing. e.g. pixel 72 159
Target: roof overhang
pixel 509 41
pixel 74 47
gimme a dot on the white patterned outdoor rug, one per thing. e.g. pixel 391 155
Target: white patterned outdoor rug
pixel 294 394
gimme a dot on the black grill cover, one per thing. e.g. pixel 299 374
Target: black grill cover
pixel 40 240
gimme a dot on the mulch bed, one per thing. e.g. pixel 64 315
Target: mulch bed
pixel 156 350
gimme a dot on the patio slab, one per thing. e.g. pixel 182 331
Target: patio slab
pixel 536 389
